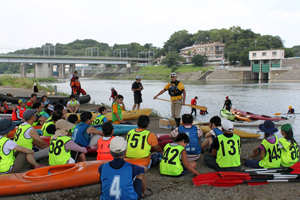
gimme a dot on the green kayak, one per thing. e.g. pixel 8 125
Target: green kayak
pixel 226 114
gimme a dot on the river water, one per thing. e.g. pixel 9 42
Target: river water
pixel 259 98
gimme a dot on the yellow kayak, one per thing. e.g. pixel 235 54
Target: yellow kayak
pixel 125 114
pixel 243 134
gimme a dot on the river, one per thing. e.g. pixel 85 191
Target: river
pixel 260 98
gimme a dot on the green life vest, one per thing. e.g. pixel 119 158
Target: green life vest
pixel 72 129
pixel 137 144
pixel 114 117
pixel 57 152
pixel 19 136
pixel 37 122
pixel 43 112
pixel 170 163
pixel 6 160
pixel 29 107
pixel 272 155
pixel 73 104
pixel 98 120
pixel 289 153
pixel 45 126
pixel 228 154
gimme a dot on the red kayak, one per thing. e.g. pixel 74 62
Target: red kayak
pixel 162 139
pixel 257 117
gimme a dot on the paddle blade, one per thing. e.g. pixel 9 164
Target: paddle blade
pixel 296 166
pixel 205 179
pixel 227 182
pixel 238 175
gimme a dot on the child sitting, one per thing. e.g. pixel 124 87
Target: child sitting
pixel 73 104
pixel 117 111
pixel 100 118
pixel 73 118
pixel 216 129
pixel 174 156
pixel 104 142
pixel 193 148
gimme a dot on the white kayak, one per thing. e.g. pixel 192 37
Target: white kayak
pixel 288 120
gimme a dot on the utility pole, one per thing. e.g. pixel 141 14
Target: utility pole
pixel 91 49
pixel 48 47
pixel 255 42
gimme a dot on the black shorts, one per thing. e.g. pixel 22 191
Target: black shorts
pixel 138 98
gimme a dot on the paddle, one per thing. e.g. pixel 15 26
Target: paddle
pixel 285 113
pixel 205 179
pixel 249 176
pixel 295 166
pixel 192 106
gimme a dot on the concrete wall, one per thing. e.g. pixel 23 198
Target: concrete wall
pixel 258 55
pixel 42 70
pixel 243 75
pixel 274 73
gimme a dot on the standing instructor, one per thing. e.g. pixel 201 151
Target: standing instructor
pixel 137 88
pixel 176 89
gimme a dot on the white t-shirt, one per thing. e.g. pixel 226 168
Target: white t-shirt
pixel 213 132
pixel 26 134
pixel 8 146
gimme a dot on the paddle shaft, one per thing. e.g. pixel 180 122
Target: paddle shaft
pixel 192 106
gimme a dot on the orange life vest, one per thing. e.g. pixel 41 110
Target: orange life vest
pixel 76 87
pixel 104 150
pixel 14 114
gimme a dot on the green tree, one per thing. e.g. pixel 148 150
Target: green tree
pixel 172 59
pixel 288 53
pixel 178 40
pixel 233 57
pixel 199 60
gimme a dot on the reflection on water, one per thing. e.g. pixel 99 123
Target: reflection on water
pixel 260 98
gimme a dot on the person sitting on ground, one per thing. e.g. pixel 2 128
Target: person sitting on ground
pixel 26 136
pixel 175 156
pixel 268 150
pixel 67 148
pixel 73 105
pixel 61 108
pixel 76 86
pixel 193 148
pixel 117 111
pixel 288 146
pixel 48 110
pixel 10 163
pixel 100 119
pixel 6 108
pixel 31 101
pixel 113 95
pixel 73 118
pixel 138 147
pixel 103 150
pixel 44 100
pixel 83 131
pixel 40 120
pixel 291 110
pixel 17 114
pixel 48 127
pixel 227 104
pixel 194 102
pixel 216 130
pixel 119 175
pixel 226 150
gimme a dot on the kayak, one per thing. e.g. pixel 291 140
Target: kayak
pixel 6 116
pixel 239 116
pixel 127 115
pixel 226 114
pixel 242 134
pixel 55 177
pixel 119 129
pixel 288 120
pixel 258 117
pixel 54 99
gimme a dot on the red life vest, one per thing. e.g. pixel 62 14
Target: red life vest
pixel 73 78
pixel 104 150
pixel 14 114
pixel 5 109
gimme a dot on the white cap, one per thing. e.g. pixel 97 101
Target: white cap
pixel 173 74
pixel 227 125
pixel 118 144
pixel 138 77
pixel 112 88
pixel 51 107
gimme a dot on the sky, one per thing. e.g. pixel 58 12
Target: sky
pixel 32 23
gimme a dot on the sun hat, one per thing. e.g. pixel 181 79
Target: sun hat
pixel 285 127
pixel 268 127
pixel 173 74
pixel 22 101
pixel 227 125
pixel 51 107
pixel 29 113
pixel 61 127
pixel 6 125
pixel 112 88
pixel 118 144
pixel 138 77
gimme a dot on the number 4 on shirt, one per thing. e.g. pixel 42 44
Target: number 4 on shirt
pixel 115 187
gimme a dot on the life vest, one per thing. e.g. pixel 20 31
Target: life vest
pixel 57 151
pixel 72 129
pixel 45 126
pixel 19 136
pixel 36 122
pixel 193 146
pixel 289 153
pixel 7 160
pixel 272 155
pixel 98 120
pixel 117 183
pixel 73 104
pixel 30 107
pixel 14 114
pixel 173 90
pixel 114 118
pixel 137 144
pixel 228 154
pixel 104 150
pixel 76 87
pixel 217 131
pixel 5 108
pixel 78 135
pixel 73 78
pixel 170 163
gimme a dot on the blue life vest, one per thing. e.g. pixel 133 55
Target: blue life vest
pixel 218 131
pixel 78 134
pixel 193 146
pixel 117 183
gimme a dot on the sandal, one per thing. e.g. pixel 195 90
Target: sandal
pixel 147 193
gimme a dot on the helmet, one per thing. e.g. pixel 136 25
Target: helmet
pixel 290 107
pixel 173 74
pixel 22 101
pixel 227 97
